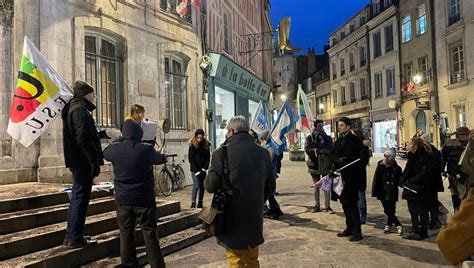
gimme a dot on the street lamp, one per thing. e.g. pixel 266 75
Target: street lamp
pixel 321 106
pixel 417 78
pixel 283 97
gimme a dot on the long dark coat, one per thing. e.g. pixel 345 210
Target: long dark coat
pixel 386 181
pixel 252 180
pixel 347 149
pixel 417 174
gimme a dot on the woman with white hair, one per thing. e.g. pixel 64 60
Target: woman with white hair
pixel 385 188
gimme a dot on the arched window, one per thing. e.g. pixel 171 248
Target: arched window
pixel 103 68
pixel 176 91
pixel 421 121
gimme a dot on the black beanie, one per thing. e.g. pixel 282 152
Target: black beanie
pixel 82 88
pixel 199 131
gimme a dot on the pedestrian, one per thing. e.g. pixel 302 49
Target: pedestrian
pixel 137 113
pixel 451 154
pixel 254 135
pixel 416 182
pixel 274 211
pixel 134 183
pixel 467 163
pixel 83 157
pixel 252 180
pixel 347 149
pixel 436 185
pixel 385 188
pixel 364 162
pixel 199 156
pixel 318 146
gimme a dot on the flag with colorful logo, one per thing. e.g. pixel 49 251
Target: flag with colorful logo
pixel 259 122
pixel 283 125
pixel 304 115
pixel 182 8
pixel 40 96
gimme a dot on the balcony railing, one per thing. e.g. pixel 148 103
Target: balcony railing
pixel 457 77
pixel 454 18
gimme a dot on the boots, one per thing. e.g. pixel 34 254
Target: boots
pixel 199 204
pixel 193 204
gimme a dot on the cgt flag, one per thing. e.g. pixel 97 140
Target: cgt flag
pixel 259 122
pixel 304 115
pixel 283 125
pixel 40 95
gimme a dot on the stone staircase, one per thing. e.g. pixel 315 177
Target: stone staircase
pixel 32 232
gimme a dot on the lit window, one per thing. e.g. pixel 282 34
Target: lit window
pixel 406 29
pixel 456 63
pixel 175 92
pixel 421 20
pixel 378 85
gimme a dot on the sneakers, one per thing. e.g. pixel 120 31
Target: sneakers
pixel 387 229
pixel 400 230
pixel 84 242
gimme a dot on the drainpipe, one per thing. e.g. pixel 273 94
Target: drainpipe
pixel 434 74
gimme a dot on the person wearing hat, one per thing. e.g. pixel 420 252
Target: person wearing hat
pixel 199 155
pixel 83 157
pixel 451 153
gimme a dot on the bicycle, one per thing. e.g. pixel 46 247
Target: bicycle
pixel 171 176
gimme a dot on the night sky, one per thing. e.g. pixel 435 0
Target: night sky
pixel 313 20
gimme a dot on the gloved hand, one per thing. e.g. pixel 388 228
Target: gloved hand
pixel 103 135
pixel 95 170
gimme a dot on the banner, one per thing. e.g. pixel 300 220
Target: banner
pixel 283 125
pixel 259 122
pixel 304 115
pixel 40 96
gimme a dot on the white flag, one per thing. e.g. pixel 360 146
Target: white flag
pixel 259 122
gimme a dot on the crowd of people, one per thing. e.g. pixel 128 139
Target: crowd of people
pixel 252 170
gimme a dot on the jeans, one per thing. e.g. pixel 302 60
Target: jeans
pixel 198 186
pixel 243 258
pixel 127 217
pixel 317 191
pixel 389 208
pixel 362 205
pixel 80 196
pixel 351 212
pixel 419 217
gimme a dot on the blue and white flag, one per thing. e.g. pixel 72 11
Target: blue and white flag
pixel 259 122
pixel 283 124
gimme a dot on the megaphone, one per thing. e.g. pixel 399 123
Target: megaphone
pixel 164 125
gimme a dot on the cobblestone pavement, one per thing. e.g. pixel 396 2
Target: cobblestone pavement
pixel 304 239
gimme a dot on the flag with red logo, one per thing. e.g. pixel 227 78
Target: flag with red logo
pixel 304 115
pixel 40 96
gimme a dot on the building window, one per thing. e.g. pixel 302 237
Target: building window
pixel 343 35
pixel 388 38
pixel 378 85
pixel 376 7
pixel 279 74
pixel 423 63
pixel 175 92
pixel 334 97
pixel 377 45
pixel 363 89
pixel 421 20
pixel 343 95
pixel 103 67
pixel 227 33
pixel 387 3
pixel 460 115
pixel 454 8
pixel 334 71
pixel 351 27
pixel 352 91
pixel 408 72
pixel 406 29
pixel 456 53
pixel 362 20
pixel 362 56
pixel 390 81
pixel 343 67
pixel 174 6
pixel 351 62
pixel 334 41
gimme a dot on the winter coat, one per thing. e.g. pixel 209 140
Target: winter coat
pixel 347 149
pixel 456 240
pixel 81 143
pixel 364 161
pixel 417 176
pixel 437 180
pixel 133 163
pixel 252 180
pixel 386 181
pixel 199 156
pixel 318 146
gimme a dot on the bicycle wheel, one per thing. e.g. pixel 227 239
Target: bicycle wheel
pixel 180 177
pixel 164 183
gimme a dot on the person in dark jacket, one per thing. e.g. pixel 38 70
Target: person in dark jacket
pixel 416 183
pixel 364 162
pixel 199 156
pixel 318 146
pixel 134 183
pixel 385 188
pixel 347 149
pixel 252 180
pixel 437 185
pixel 83 157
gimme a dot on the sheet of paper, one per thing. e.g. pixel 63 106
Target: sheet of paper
pixel 149 130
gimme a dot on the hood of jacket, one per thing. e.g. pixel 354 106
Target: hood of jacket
pixel 131 130
pixel 77 101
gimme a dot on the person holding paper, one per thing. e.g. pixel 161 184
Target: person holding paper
pixel 137 113
pixel 199 156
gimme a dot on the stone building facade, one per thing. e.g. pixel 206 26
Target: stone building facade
pixel 285 74
pixel 130 51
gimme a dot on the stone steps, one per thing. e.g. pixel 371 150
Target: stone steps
pixel 108 245
pixel 31 240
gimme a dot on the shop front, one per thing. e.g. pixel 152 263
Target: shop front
pixel 232 90
pixel 384 131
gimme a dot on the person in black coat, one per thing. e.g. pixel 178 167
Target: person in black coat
pixel 417 186
pixel 83 157
pixel 385 188
pixel 364 162
pixel 134 183
pixel 347 149
pixel 199 156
